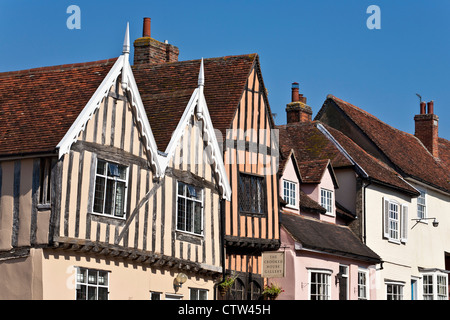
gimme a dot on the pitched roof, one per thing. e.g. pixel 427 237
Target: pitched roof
pixel 38 106
pixel 165 90
pixel 327 237
pixel 311 145
pixel 404 150
pixel 377 170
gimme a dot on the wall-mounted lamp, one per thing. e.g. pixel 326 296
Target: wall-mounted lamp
pixel 179 280
pixel 435 221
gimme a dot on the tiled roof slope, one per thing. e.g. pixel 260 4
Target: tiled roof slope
pixel 312 145
pixel 166 89
pixel 327 237
pixel 377 170
pixel 309 144
pixel 312 171
pixel 38 106
pixel 404 150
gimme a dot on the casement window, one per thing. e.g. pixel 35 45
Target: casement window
pixel 189 208
pixel 92 284
pixel 363 283
pixel 111 182
pixel 290 192
pixel 45 172
pixel 435 286
pixel 394 291
pixel 421 205
pixel 319 285
pixel 252 194
pixel 198 294
pixel 326 200
pixel 395 224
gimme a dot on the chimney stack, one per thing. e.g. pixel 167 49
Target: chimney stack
pixel 297 110
pixel 150 51
pixel 146 29
pixel 426 128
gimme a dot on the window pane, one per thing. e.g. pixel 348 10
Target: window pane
pixel 81 292
pixel 109 196
pixel 81 275
pixel 113 170
pixel 181 219
pixel 92 293
pixel 99 194
pixel 189 216
pixel 120 199
pixel 102 294
pixel 197 218
pixel 103 278
pixel 101 166
pixel 92 277
pixel 181 187
pixel 122 172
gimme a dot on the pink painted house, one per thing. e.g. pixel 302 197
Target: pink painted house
pixel 324 259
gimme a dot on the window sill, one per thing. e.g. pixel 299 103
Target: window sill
pixel 107 219
pixel 43 207
pixel 189 237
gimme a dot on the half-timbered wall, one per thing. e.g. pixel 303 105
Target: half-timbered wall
pixel 24 214
pixel 151 210
pixel 251 148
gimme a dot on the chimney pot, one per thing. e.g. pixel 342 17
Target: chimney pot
pixel 146 29
pixel 295 95
pixel 423 107
pixel 430 107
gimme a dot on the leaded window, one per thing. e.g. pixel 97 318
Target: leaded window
pixel 110 189
pixel 252 194
pixel 189 208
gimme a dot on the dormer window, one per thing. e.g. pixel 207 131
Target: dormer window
pixel 326 200
pixel 290 192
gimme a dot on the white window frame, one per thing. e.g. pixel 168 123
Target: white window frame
pixel 194 293
pixel 395 221
pixel 326 274
pixel 363 286
pixel 422 207
pixel 398 287
pixel 327 200
pixel 438 290
pixel 115 179
pixel 193 200
pixel 88 285
pixel 290 193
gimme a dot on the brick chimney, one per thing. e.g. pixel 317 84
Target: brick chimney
pixel 427 127
pixel 150 51
pixel 297 110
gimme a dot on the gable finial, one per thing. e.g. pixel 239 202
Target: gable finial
pixel 201 75
pixel 126 41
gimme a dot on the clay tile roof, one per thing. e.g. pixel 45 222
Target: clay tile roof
pixel 309 144
pixel 312 171
pixel 38 106
pixel 404 150
pixel 166 89
pixel 377 170
pixel 308 204
pixel 327 237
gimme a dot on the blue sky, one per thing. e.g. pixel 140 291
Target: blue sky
pixel 324 45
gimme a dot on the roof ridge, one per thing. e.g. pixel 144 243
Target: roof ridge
pixel 62 67
pixel 157 65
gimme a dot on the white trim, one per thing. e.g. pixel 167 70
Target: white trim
pixel 197 105
pixel 122 65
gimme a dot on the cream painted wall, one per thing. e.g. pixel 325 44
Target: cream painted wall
pixel 127 281
pixel 425 247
